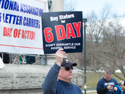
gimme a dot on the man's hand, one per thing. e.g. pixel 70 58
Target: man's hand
pixel 115 88
pixel 109 87
pixel 59 56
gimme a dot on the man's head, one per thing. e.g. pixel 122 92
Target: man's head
pixel 65 72
pixel 121 84
pixel 108 75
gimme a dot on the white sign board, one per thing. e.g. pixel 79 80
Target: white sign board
pixel 20 26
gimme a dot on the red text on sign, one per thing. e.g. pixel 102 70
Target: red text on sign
pixel 61 34
pixel 7 32
pixel 18 33
pixel 48 34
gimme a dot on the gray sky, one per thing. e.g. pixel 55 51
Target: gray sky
pixel 87 6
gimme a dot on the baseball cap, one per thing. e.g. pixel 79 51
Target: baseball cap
pixel 66 63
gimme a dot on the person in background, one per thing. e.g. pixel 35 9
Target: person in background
pixel 105 85
pixel 5 57
pixel 30 59
pixel 58 79
pixel 121 84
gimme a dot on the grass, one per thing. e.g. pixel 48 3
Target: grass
pixel 93 78
pixel 90 93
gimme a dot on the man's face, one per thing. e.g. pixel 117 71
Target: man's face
pixel 65 75
pixel 108 77
pixel 122 85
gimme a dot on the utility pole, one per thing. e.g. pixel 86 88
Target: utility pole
pixel 84 20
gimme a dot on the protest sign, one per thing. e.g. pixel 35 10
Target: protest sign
pixel 62 30
pixel 21 29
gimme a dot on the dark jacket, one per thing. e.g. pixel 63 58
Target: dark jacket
pixel 5 57
pixel 53 86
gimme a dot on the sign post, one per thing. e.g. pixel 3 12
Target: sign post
pixel 85 20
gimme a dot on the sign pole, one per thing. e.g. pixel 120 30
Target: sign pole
pixel 84 20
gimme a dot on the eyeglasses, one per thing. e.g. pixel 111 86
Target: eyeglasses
pixel 68 68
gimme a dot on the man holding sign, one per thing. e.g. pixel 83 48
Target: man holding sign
pixel 62 70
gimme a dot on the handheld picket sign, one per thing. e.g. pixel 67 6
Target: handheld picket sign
pixel 62 30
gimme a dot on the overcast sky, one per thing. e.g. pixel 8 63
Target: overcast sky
pixel 87 6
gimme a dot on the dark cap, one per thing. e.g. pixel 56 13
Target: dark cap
pixel 66 63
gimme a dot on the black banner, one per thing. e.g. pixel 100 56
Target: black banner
pixel 62 30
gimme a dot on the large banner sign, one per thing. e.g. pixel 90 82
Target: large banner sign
pixel 20 26
pixel 62 30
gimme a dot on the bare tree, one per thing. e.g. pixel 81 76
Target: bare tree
pixel 114 45
pixel 69 5
pixel 105 42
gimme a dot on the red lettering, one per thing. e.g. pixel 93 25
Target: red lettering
pixel 70 31
pixel 28 35
pixel 23 35
pixel 48 34
pixel 15 33
pixel 27 32
pixel 7 32
pixel 19 33
pixel 77 28
pixel 60 31
pixel 32 35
